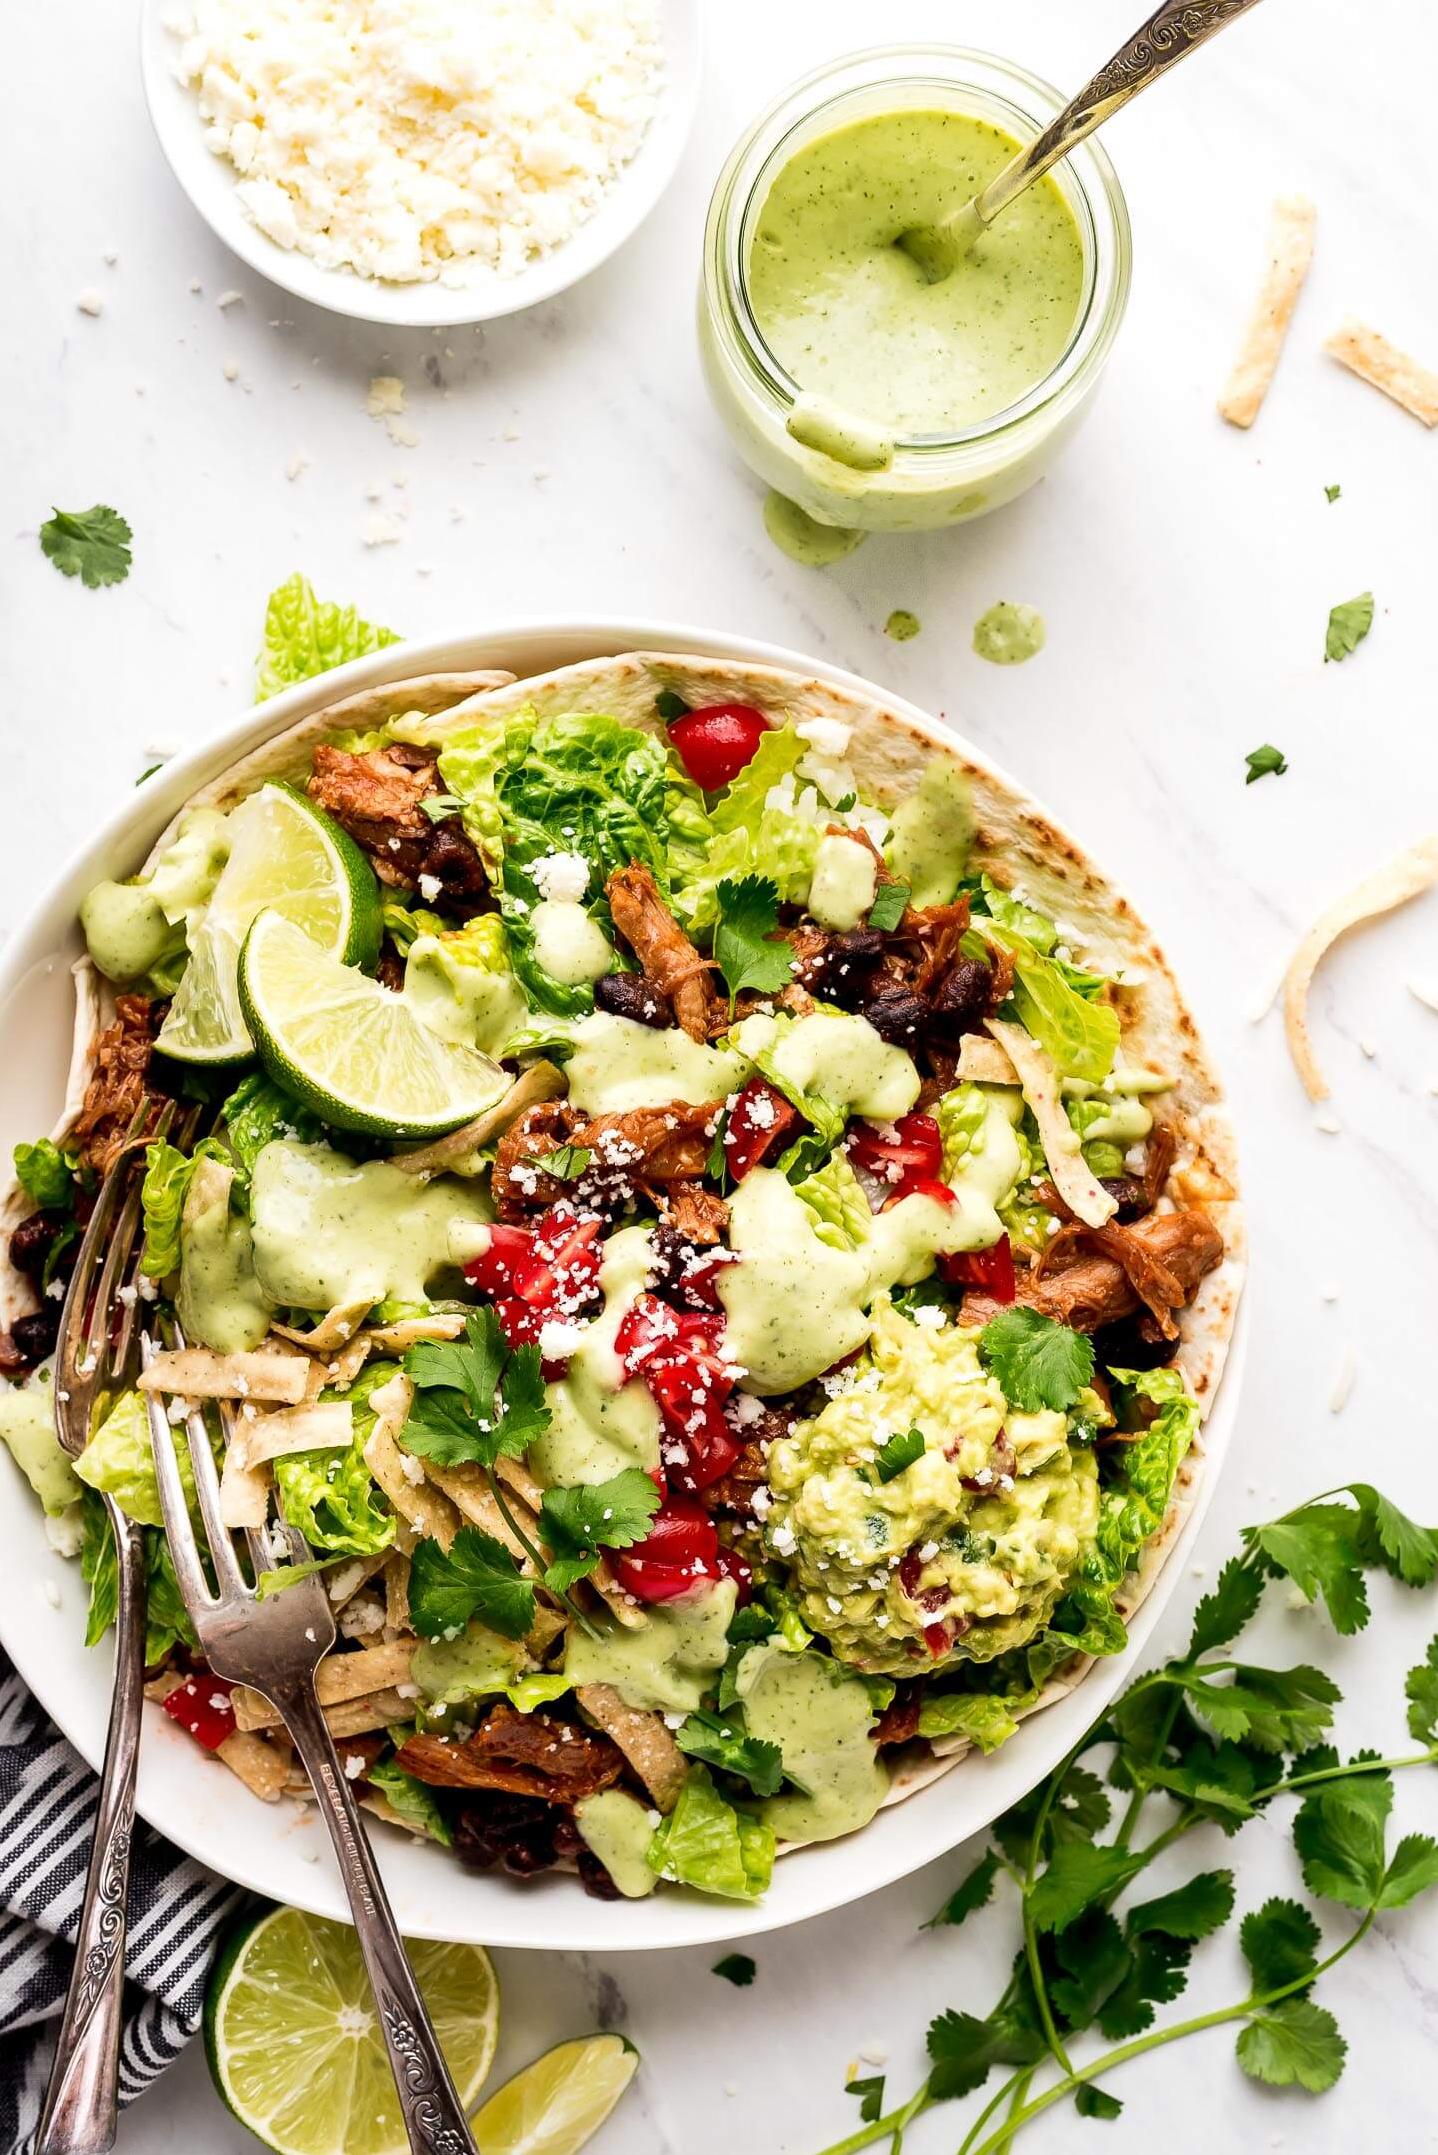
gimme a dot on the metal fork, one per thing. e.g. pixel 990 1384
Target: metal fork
pixel 95 1359
pixel 275 1646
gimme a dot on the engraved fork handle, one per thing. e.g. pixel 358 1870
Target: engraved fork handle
pixel 79 2114
pixel 433 2114
pixel 1171 33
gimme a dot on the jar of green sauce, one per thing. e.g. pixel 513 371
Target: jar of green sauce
pixel 866 399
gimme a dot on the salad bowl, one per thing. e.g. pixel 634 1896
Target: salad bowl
pixel 276 1850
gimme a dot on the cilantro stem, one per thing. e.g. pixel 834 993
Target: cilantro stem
pixel 896 2122
pixel 1128 1824
pixel 536 1558
pixel 1011 2088
pixel 1031 1936
pixel 1159 2037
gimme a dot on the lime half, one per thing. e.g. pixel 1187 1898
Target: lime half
pixel 286 854
pixel 554 2105
pixel 294 2043
pixel 351 1049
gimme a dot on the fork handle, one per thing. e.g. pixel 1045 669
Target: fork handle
pixel 80 2103
pixel 433 2114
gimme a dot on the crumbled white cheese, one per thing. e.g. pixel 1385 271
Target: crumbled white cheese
pixel 380 530
pixel 561 876
pixel 90 301
pixel 230 299
pixel 402 138
pixel 296 465
pixel 430 888
pixel 558 1339
pixel 829 735
pixel 930 1317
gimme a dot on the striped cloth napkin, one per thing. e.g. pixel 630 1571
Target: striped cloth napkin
pixel 177 1910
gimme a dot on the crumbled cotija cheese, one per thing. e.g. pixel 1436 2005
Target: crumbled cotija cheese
pixel 402 138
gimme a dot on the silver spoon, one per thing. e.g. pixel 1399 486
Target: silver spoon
pixel 1170 34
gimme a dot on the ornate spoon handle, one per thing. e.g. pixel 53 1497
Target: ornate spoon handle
pixel 80 2105
pixel 1171 33
pixel 433 2114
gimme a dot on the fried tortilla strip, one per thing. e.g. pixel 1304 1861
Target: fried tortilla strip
pixel 1097 1291
pixel 642 1737
pixel 263 1767
pixel 339 1679
pixel 334 1330
pixel 664 951
pixel 197 1373
pixel 359 1717
pixel 409 1331
pixel 469 1494
pixel 1374 360
pixel 327 1425
pixel 541 1081
pixel 426 1509
pixel 983 1062
pixel 244 1490
pixel 518 1479
pixel 1290 250
pixel 1074 1180
pixel 1406 876
pixel 396 1592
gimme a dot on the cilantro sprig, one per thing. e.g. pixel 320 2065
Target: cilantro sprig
pixel 1216 1741
pixel 93 544
pixel 1265 762
pixel 1037 1362
pixel 1348 624
pixel 743 947
pixel 579 1523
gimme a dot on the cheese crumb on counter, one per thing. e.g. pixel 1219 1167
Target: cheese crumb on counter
pixel 407 138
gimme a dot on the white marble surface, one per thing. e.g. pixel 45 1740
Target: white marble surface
pixel 568 463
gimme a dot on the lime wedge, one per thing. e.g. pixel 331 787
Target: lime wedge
pixel 351 1049
pixel 294 2043
pixel 287 854
pixel 554 2105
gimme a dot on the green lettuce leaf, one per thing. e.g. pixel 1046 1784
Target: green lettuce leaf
pixel 168 1175
pixel 256 1113
pixel 834 1193
pixel 305 636
pixel 707 1843
pixel 747 835
pixel 332 1497
pixel 46 1174
pixel 119 1462
pixel 1079 1036
pixel 411 1800
pixel 985 1720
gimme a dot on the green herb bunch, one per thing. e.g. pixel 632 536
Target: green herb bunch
pixel 1212 1740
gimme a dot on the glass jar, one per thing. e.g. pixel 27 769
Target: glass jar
pixel 930 480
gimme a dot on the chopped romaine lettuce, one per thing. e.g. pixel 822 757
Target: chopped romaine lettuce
pixel 305 636
pixel 256 1113
pixel 834 1192
pixel 119 1462
pixel 707 1843
pixel 752 833
pixel 331 1496
pixel 410 1800
pixel 986 1720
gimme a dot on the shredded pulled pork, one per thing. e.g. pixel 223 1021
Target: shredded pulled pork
pixel 1170 1252
pixel 697 1216
pixel 642 1148
pixel 672 965
pixel 378 798
pixel 524 1754
pixel 118 1086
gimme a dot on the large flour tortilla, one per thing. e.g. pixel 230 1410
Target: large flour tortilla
pixel 1014 840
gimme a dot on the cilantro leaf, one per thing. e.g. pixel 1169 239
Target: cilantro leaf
pixel 567 1162
pixel 577 1523
pixel 475 1577
pixel 1078 1811
pixel 1265 762
pixel 1332 493
pixel 1092 1959
pixel 1348 624
pixel 970 1894
pixel 891 902
pixel 1339 1834
pixel 670 705
pixel 962 2049
pixel 718 1742
pixel 93 544
pixel 1293 2044
pixel 1280 1942
pixel 1403 1548
pixel 1413 1869
pixel 1191 1911
pixel 1157 1974
pixel 1276 1709
pixel 1223 1614
pixel 460 1412
pixel 1037 1362
pixel 740 1970
pixel 1092 2102
pixel 1420 1688
pixel 1079 1873
pixel 898 1452
pixel 1318 1548
pixel 871 2096
pixel 743 951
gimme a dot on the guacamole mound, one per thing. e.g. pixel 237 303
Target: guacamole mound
pixel 992 1559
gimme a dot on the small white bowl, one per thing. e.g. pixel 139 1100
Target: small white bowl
pixel 281 1850
pixel 210 183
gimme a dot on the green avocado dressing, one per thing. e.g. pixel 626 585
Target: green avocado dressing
pixel 618 1064
pixel 599 1421
pixel 220 1302
pixel 27 1425
pixel 820 1718
pixel 329 1230
pixel 849 317
pixel 802 537
pixel 930 834
pixel 1008 634
pixel 666 1664
pixel 618 1829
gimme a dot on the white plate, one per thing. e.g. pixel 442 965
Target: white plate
pixel 281 1850
pixel 209 181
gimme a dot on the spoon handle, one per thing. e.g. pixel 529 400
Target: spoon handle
pixel 1170 34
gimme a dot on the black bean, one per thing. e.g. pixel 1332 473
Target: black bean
pixel 1123 1345
pixel 35 1337
pixel 629 995
pixel 1129 1195
pixel 30 1244
pixel 898 1017
pixel 594 1878
pixel 963 995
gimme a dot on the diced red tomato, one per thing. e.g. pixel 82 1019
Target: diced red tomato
pixel 759 1121
pixel 991 1271
pixel 201 1705
pixel 535 1274
pixel 716 743
pixel 680 1549
pixel 492 1270
pixel 678 1355
pixel 912 1157
pixel 700 1282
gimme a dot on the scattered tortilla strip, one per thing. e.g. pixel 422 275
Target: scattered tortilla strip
pixel 1290 250
pixel 158 1689
pixel 333 1331
pixel 1374 360
pixel 425 1508
pixel 263 1767
pixel 1406 876
pixel 601 1581
pixel 196 1373
pixel 396 1592
pixel 541 1081
pixel 326 1426
pixel 983 1062
pixel 1076 1184
pixel 642 1737
pixel 346 1579
pixel 409 1331
pixel 244 1490
pixel 470 1494
pixel 358 1717
pixel 338 1679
